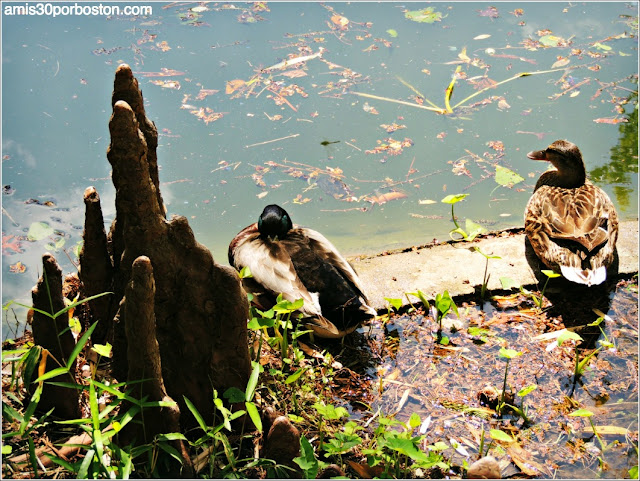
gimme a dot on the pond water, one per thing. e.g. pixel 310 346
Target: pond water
pixel 237 132
pixel 451 386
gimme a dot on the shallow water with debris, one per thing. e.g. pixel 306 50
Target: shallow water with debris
pixel 455 388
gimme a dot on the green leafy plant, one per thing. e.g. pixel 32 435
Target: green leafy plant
pixel 550 275
pixel 343 441
pixel 500 435
pixel 508 283
pixel 472 229
pixel 585 413
pixel 235 395
pixel 396 449
pixel 443 305
pixel 278 317
pixel 215 442
pixel 580 364
pixel 506 354
pixel 393 304
pixel 506 177
pixel 485 279
pixel 523 411
pixel 327 412
pixel 421 296
pixel 307 460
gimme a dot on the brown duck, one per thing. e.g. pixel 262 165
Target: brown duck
pixel 571 224
pixel 300 263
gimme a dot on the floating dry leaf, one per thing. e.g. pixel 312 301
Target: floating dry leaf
pixel 369 109
pixel 340 21
pixel 561 62
pixel 611 120
pixel 393 127
pixel 207 115
pixel 384 198
pixel 164 72
pixel 300 200
pixel 205 93
pixel 294 73
pixel 391 147
pixel 18 268
pixel 163 46
pixel 491 12
pixel 496 145
pixel 167 84
pixel 11 245
pixel 233 85
pixel 503 104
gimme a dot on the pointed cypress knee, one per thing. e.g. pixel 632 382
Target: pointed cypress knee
pixel 48 333
pixel 145 363
pixel 96 270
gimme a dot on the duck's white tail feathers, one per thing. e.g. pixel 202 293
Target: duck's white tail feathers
pixel 367 309
pixel 588 277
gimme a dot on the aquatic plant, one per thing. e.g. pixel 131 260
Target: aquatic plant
pixel 508 283
pixel 585 413
pixel 581 364
pixel 507 354
pixel 443 305
pixel 485 279
pixel 470 233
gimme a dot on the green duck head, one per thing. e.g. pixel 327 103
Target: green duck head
pixel 274 222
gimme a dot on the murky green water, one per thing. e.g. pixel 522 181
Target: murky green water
pixel 58 76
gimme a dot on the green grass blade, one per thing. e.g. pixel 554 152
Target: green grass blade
pixel 253 381
pixel 93 406
pixel 11 414
pixel 129 416
pixel 33 458
pixel 51 374
pixel 83 472
pixel 75 304
pixel 295 376
pixel 167 448
pixel 196 414
pixel 80 345
pixel 31 408
pixel 40 421
pixel 65 464
pixel 252 410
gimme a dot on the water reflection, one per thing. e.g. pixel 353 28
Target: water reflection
pixel 619 173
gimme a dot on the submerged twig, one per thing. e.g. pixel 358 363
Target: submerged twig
pixel 270 141
pixel 402 102
pixel 417 92
pixel 4 211
pixel 516 76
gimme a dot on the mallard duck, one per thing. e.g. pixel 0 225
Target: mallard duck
pixel 571 224
pixel 300 263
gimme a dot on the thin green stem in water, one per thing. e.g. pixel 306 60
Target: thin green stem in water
pixel 504 387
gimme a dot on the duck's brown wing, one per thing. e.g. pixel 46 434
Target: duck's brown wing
pixel 573 228
pixel 272 270
pixel 326 250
